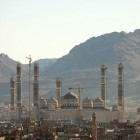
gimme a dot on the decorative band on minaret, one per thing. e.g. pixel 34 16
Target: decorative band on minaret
pixel 36 84
pixel 120 86
pixel 13 96
pixel 103 84
pixel 59 90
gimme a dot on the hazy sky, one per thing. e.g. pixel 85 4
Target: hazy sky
pixel 51 28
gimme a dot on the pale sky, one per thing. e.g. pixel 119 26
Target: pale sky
pixel 51 28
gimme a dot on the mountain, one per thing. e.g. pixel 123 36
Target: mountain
pixel 82 66
pixel 83 62
pixel 105 49
pixel 8 69
pixel 46 63
pixel 8 66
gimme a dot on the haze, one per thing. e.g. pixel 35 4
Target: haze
pixel 51 28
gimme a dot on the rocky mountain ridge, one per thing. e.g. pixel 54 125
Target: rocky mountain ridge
pixel 105 49
pixel 82 66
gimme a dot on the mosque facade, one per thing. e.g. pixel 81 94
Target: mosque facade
pixel 69 106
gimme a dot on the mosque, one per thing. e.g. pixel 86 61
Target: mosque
pixel 67 107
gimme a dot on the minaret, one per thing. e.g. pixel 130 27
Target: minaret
pixel 13 95
pixel 103 84
pixel 36 84
pixel 59 90
pixel 94 127
pixel 18 90
pixel 30 97
pixel 120 86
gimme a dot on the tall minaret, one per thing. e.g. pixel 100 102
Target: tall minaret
pixel 59 90
pixel 94 127
pixel 36 84
pixel 103 84
pixel 13 95
pixel 18 90
pixel 120 86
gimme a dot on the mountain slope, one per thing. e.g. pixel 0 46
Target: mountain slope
pixel 46 63
pixel 99 50
pixel 7 67
pixel 82 65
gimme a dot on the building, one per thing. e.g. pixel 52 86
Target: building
pixel 70 106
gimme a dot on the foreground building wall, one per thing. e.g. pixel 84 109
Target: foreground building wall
pixel 86 114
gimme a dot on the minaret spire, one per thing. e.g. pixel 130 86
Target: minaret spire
pixel 120 86
pixel 18 89
pixel 59 90
pixel 36 84
pixel 103 84
pixel 94 127
pixel 12 89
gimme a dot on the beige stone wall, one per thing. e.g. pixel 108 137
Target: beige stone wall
pixel 74 114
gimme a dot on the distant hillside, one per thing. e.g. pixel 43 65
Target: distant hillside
pixel 8 66
pixel 105 49
pixel 82 66
pixel 46 63
pixel 8 69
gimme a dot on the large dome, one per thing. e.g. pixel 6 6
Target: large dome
pixel 70 95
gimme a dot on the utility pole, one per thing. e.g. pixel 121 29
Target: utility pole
pixel 30 60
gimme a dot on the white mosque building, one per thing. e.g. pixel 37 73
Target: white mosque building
pixel 70 106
